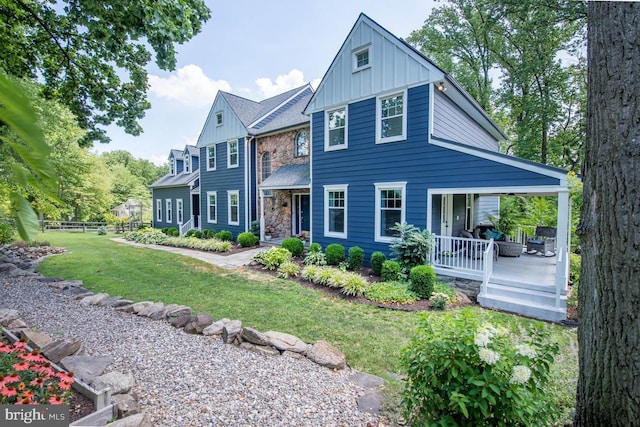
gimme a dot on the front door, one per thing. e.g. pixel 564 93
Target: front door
pixel 446 215
pixel 301 213
pixel 195 211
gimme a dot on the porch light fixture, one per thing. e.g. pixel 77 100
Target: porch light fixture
pixel 442 87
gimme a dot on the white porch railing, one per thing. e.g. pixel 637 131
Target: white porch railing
pixel 186 227
pixel 462 254
pixel 487 267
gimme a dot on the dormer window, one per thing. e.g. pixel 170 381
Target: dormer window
pixel 361 58
pixel 219 118
pixel 172 166
pixel 187 162
pixel 302 144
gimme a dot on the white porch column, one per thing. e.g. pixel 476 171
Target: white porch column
pixel 562 242
pixel 261 215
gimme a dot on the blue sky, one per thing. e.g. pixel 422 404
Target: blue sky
pixel 254 49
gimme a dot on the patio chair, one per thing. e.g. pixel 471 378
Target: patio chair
pixel 544 241
pixel 476 248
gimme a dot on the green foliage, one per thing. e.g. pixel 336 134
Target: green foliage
pixel 193 233
pixel 7 232
pixel 412 247
pixel 463 371
pixel 348 282
pixel 293 245
pixel 390 271
pixel 574 276
pixel 288 269
pixel 356 256
pixel 247 239
pixel 224 235
pixel 172 231
pixel 314 247
pixel 308 272
pixel 209 245
pixel 422 279
pixel 102 230
pixel 146 236
pixel 334 253
pixel 439 301
pixel 315 258
pixel 354 284
pixel 255 229
pixel 323 276
pixel 208 233
pixel 443 288
pixel 273 258
pixel 390 292
pixel 377 259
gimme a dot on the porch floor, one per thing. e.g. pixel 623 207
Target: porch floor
pixel 525 269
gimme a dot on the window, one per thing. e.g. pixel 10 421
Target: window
pixel 361 58
pixel 168 208
pixel 335 211
pixel 234 204
pixel 302 143
pixel 159 210
pixel 265 170
pixel 179 218
pixel 219 118
pixel 212 207
pixel 187 162
pixel 211 158
pixel 336 129
pixel 232 153
pixel 390 209
pixel 391 123
pixel 172 165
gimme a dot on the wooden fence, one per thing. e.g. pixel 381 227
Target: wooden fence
pixel 84 227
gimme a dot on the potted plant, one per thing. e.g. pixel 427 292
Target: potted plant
pixel 268 232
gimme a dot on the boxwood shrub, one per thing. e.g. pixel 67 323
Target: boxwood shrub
pixel 422 280
pixel 334 254
pixel 225 236
pixel 314 247
pixel 377 259
pixel 390 271
pixel 293 245
pixel 356 256
pixel 246 239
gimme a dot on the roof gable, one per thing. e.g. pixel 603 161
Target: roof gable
pixel 232 125
pixel 393 65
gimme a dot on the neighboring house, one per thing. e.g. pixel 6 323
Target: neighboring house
pixel 255 163
pixel 396 139
pixel 176 196
pixel 132 209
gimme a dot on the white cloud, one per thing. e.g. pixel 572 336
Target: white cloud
pixel 283 83
pixel 158 159
pixel 189 85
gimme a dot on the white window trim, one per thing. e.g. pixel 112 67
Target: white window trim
pixel 295 143
pixel 354 54
pixel 327 189
pixel 229 165
pixel 219 113
pixel 344 146
pixel 168 209
pixel 159 210
pixel 401 137
pixel 209 220
pixel 215 157
pixel 179 211
pixel 229 194
pixel 187 163
pixel 172 166
pixel 379 186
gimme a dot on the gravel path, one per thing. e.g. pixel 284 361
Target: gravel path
pixel 193 380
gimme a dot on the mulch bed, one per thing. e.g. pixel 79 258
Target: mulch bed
pixel 80 406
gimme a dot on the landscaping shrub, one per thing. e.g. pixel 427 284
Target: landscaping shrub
pixel 314 247
pixel 315 258
pixel 377 259
pixel 334 254
pixel 390 292
pixel 193 233
pixel 246 239
pixel 463 372
pixel 102 230
pixel 210 245
pixel 439 301
pixel 288 269
pixel 225 236
pixel 208 234
pixel 390 271
pixel 255 229
pixel 173 232
pixel 323 276
pixel 308 273
pixel 356 256
pixel 7 231
pixel 574 276
pixel 273 258
pixel 443 288
pixel 413 246
pixel 422 280
pixel 165 230
pixel 149 237
pixel 293 245
pixel 354 284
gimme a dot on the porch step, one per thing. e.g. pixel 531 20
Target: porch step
pixel 524 307
pixel 538 295
pixel 530 286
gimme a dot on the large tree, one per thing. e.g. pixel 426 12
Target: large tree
pixel 91 54
pixel 609 300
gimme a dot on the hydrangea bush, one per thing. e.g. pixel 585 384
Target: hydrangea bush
pixel 462 370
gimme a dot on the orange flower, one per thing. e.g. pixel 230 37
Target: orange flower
pixel 38 382
pixel 21 366
pixel 27 394
pixel 64 386
pixel 22 386
pixel 55 400
pixel 24 401
pixel 8 391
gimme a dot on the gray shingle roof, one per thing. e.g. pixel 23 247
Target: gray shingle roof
pixel 193 150
pixel 288 115
pixel 292 176
pixel 177 154
pixel 176 180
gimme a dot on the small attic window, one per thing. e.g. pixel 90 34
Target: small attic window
pixel 219 118
pixel 361 58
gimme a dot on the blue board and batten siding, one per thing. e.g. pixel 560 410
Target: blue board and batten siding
pixel 222 180
pixel 172 193
pixel 414 161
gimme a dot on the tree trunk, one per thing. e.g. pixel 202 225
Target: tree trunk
pixel 609 298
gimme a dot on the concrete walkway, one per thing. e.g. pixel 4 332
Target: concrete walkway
pixel 225 261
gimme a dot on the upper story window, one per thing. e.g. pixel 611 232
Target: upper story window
pixel 211 157
pixel 219 118
pixel 265 169
pixel 302 143
pixel 391 118
pixel 232 154
pixel 336 129
pixel 361 58
pixel 172 165
pixel 187 162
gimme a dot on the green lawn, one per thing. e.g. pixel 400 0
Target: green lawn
pixel 372 338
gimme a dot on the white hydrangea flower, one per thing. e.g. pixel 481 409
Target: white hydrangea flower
pixel 482 339
pixel 489 357
pixel 520 374
pixel 526 350
pixel 487 329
